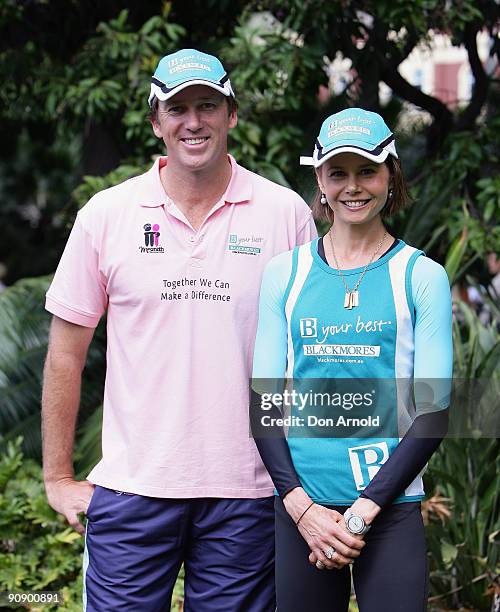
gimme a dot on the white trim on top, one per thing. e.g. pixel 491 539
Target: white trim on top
pixel 304 264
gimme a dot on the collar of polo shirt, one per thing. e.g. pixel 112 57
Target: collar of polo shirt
pixel 239 190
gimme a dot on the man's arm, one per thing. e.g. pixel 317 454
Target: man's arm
pixel 65 361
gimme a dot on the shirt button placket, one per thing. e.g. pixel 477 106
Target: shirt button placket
pixel 196 256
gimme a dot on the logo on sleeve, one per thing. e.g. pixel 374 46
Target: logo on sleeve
pixel 245 245
pixel 151 239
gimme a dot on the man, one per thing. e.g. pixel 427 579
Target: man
pixel 174 257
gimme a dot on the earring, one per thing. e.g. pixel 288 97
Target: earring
pixel 323 199
pixel 390 194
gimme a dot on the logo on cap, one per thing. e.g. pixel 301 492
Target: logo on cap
pixel 188 67
pixel 353 130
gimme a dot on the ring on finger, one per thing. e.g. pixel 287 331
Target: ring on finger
pixel 329 552
pixel 320 565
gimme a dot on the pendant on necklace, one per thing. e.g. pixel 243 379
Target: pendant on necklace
pixel 351 299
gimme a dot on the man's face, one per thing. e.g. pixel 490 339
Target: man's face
pixel 194 125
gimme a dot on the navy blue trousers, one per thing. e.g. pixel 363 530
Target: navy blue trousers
pixel 135 546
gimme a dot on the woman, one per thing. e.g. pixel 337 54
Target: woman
pixel 358 304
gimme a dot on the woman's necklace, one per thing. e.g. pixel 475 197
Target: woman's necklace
pixel 351 299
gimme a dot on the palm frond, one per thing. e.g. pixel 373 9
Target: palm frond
pixel 24 332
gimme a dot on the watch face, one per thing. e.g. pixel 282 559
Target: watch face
pixel 356 524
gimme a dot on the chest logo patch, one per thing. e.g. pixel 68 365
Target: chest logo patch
pixel 326 340
pixel 151 239
pixel 245 245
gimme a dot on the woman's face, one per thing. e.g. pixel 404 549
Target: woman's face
pixel 355 187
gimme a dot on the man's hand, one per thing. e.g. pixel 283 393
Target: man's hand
pixel 69 497
pixel 320 527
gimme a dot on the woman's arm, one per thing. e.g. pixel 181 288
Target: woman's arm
pixel 433 363
pixel 269 365
pixel 319 526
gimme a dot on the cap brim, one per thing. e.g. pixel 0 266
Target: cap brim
pixel 311 161
pixel 381 157
pixel 378 158
pixel 156 92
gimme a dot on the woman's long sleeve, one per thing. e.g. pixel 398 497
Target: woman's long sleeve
pixel 269 367
pixel 433 364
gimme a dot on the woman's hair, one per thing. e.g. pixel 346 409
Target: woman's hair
pixel 400 195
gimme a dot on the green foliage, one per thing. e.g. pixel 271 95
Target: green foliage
pixel 37 550
pixel 464 551
pixel 90 185
pixel 477 374
pixel 116 65
pixel 273 85
pixel 457 197
pixel 419 15
pixel 37 167
pixel 475 346
pixel 24 327
pixel 23 343
pixel 464 548
pixel 111 73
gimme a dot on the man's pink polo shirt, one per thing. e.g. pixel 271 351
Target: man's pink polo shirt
pixel 182 310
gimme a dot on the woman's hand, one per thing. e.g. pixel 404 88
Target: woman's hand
pixel 364 507
pixel 321 529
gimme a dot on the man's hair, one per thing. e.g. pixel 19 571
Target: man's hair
pixel 401 197
pixel 232 106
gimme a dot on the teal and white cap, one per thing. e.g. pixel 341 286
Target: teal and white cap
pixel 353 130
pixel 188 67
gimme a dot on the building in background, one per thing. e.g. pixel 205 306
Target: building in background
pixel 438 68
pixel 443 71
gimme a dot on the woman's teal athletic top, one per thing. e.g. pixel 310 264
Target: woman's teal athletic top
pixel 401 330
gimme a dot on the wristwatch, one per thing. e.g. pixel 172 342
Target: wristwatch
pixel 355 523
